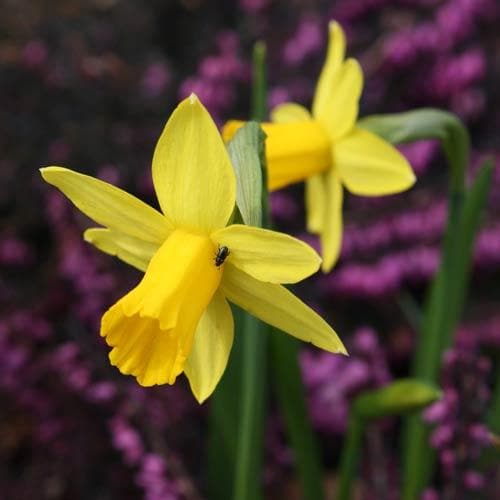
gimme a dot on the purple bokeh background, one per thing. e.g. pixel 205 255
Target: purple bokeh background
pixel 89 85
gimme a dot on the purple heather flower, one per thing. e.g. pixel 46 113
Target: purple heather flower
pixel 34 54
pixel 430 494
pixel 127 440
pixel 155 79
pixel 473 480
pixel 253 6
pixel 333 381
pixel 307 40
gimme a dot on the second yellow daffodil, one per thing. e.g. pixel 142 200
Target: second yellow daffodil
pixel 327 150
pixel 177 319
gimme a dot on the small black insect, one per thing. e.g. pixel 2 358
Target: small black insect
pixel 221 256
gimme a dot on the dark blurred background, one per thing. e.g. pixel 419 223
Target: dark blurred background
pixel 89 85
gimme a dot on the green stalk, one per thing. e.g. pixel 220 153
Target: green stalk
pixel 493 418
pixel 259 87
pixel 224 421
pixel 350 456
pixel 442 315
pixel 249 451
pixel 284 349
pixel 445 303
pixel 250 445
pixel 292 400
pixel 400 397
pixel 491 455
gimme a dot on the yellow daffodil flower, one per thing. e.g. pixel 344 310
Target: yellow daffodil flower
pixel 327 150
pixel 177 319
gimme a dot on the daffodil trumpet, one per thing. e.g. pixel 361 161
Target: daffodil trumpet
pixel 328 151
pixel 177 319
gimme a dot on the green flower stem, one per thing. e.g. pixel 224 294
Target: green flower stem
pixel 250 445
pixel 445 302
pixel 442 315
pixel 491 455
pixel 292 400
pixel 224 422
pixel 400 397
pixel 350 456
pixel 249 450
pixel 259 87
pixel 493 419
pixel 284 349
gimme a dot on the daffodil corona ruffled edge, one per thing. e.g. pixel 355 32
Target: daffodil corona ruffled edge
pixel 328 151
pixel 177 319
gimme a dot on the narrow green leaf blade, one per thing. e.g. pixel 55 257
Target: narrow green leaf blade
pixel 443 313
pixel 349 457
pixel 473 208
pixel 292 400
pixel 244 149
pixel 248 482
pixel 259 86
pixel 224 420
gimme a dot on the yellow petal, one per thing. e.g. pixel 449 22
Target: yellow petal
pixel 267 255
pixel 280 308
pixel 315 199
pixel 181 274
pixel 131 250
pixel 192 173
pixel 109 205
pixel 211 347
pixel 340 113
pixel 370 166
pixel 289 112
pixel 331 233
pixel 334 59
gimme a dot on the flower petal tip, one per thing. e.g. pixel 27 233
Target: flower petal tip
pixel 333 24
pixel 412 178
pixel 342 350
pixel 88 236
pixel 46 172
pixel 327 264
pixel 201 399
pixel 193 98
pixel 335 30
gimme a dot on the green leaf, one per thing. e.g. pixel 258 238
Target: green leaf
pixel 292 400
pixel 259 85
pixel 400 397
pixel 493 417
pixel 443 312
pixel 472 211
pixel 447 293
pixel 397 398
pixel 349 457
pixel 224 421
pixel 244 149
pixel 252 400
